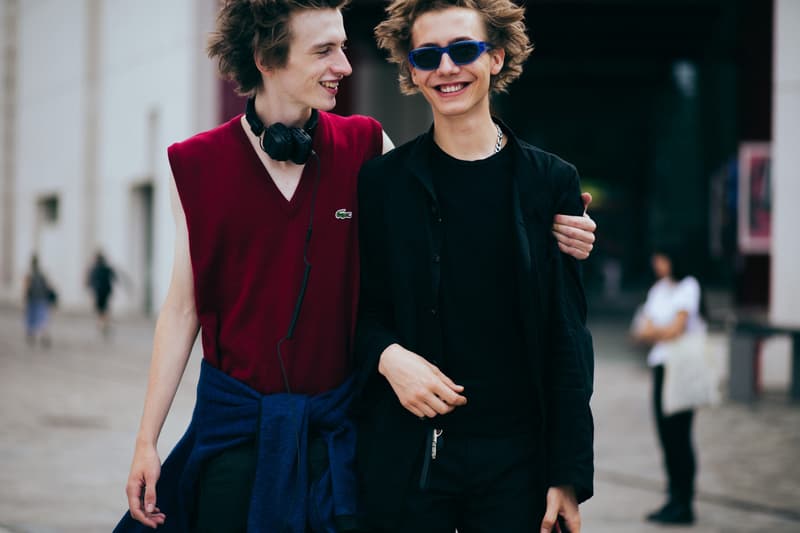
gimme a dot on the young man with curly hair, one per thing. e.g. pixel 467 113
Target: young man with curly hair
pixel 270 438
pixel 473 356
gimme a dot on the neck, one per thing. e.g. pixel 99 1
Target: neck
pixel 270 110
pixel 466 138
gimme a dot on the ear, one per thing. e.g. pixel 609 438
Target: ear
pixel 413 72
pixel 262 68
pixel 498 57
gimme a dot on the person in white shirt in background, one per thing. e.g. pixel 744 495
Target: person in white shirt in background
pixel 674 307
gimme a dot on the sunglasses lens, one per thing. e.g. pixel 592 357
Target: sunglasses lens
pixel 426 58
pixel 463 53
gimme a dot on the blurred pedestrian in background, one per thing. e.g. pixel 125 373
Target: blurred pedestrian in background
pixel 673 309
pixel 39 296
pixel 100 280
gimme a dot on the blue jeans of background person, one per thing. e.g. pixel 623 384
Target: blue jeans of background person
pixel 37 313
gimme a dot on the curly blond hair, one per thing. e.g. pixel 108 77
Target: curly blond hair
pixel 244 26
pixel 505 28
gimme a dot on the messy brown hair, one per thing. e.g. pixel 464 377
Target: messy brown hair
pixel 246 26
pixel 505 28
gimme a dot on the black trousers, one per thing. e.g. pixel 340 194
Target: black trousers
pixel 476 485
pixel 675 436
pixel 224 487
pixel 226 483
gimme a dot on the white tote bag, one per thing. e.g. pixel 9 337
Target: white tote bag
pixel 690 376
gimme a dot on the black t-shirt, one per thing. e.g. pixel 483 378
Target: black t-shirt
pixel 480 319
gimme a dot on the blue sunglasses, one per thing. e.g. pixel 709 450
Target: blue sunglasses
pixel 460 53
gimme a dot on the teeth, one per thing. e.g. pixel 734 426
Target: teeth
pixel 330 84
pixel 451 88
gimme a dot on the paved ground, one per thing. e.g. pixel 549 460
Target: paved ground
pixel 69 415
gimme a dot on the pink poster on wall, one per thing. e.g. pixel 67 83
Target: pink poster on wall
pixel 755 197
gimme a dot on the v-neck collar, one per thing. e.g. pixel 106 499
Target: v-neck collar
pixel 289 206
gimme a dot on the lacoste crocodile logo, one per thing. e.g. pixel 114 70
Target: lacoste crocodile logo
pixel 342 214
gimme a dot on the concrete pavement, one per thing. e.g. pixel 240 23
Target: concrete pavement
pixel 69 415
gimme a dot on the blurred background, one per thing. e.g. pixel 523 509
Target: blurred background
pixel 653 100
pixel 682 116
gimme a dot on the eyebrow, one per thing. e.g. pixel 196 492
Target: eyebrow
pixel 457 39
pixel 318 46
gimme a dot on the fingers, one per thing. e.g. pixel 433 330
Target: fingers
pixel 441 395
pixel 449 382
pixel 134 491
pixel 550 516
pixel 158 517
pixel 441 407
pixel 573 522
pixel 427 410
pixel 150 493
pixel 575 226
pixel 430 403
pixel 569 510
pixel 570 238
pixel 415 411
pixel 581 241
pixel 448 391
pixel 421 402
pixel 587 199
pixel 561 501
pixel 574 252
pixel 449 398
pixel 573 247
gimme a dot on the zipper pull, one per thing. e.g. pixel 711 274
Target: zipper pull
pixel 437 433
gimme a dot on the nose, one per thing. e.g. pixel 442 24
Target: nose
pixel 342 66
pixel 446 65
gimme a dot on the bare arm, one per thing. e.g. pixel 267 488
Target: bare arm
pixel 652 334
pixel 176 330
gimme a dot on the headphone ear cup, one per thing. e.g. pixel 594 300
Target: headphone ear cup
pixel 301 146
pixel 277 142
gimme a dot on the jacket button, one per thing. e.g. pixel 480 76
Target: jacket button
pixel 436 258
pixel 434 311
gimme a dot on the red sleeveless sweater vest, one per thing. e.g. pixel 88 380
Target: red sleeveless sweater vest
pixel 246 246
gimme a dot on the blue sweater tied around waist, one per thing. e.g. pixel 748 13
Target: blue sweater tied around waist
pixel 229 413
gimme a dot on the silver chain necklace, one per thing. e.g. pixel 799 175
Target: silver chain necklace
pixel 499 144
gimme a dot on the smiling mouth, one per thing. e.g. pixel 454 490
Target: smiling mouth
pixel 333 85
pixel 450 88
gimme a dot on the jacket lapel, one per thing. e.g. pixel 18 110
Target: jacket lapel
pixel 419 162
pixel 419 165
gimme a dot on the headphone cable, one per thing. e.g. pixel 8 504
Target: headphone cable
pixel 301 294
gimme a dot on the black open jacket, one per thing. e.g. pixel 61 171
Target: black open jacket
pixel 401 238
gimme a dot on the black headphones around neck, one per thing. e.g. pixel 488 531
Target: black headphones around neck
pixel 281 142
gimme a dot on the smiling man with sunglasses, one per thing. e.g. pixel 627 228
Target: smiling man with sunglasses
pixel 473 356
